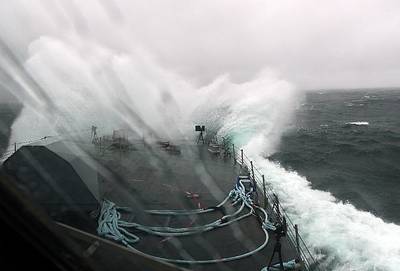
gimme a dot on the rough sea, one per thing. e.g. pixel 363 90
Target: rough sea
pixel 348 143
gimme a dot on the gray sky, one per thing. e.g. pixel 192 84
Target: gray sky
pixel 313 44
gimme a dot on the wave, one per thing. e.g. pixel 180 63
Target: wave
pixel 343 237
pixel 340 235
pixel 358 123
pixel 88 84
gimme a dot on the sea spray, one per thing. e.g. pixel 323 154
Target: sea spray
pixel 97 89
pixel 88 84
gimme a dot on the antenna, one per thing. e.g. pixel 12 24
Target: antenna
pixel 200 129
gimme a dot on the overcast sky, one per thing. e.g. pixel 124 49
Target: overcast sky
pixel 313 44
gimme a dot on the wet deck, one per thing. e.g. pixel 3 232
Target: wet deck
pixel 149 177
pixel 145 177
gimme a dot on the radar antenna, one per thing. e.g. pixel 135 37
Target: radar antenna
pixel 200 129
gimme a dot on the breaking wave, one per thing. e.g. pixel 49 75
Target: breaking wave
pixel 78 84
pixel 342 237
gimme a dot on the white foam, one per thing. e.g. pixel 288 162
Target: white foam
pixel 342 237
pixel 347 238
pixel 359 123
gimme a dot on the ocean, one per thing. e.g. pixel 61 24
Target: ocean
pixel 348 143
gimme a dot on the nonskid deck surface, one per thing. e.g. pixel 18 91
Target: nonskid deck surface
pixel 149 177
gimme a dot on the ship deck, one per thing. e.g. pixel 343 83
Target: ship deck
pixel 152 177
pixel 144 176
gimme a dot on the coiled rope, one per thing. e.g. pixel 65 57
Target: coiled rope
pixel 111 226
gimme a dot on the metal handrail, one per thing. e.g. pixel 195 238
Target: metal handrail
pixel 13 147
pixel 294 238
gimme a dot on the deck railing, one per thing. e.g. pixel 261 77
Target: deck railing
pixel 14 146
pixel 270 202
